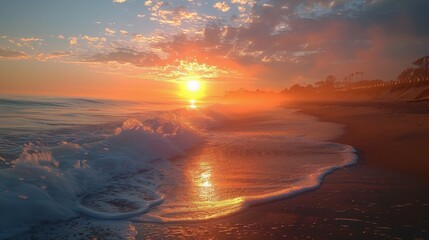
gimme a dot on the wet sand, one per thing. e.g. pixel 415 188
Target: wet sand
pixel 391 135
pixel 384 196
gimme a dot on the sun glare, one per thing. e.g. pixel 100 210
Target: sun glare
pixel 192 104
pixel 192 90
pixel 193 85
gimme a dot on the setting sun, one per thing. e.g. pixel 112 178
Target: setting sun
pixel 193 85
pixel 192 88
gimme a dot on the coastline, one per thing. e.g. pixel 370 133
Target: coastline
pixel 385 195
pixel 389 135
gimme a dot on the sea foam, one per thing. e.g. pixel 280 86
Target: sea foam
pixel 114 177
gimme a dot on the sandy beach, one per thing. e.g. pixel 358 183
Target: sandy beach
pixel 384 196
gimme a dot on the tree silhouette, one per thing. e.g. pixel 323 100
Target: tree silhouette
pixel 406 75
pixel 422 71
pixel 329 84
pixel 418 73
pixel 422 63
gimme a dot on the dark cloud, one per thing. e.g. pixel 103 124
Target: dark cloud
pixel 309 39
pixel 11 54
pixel 125 55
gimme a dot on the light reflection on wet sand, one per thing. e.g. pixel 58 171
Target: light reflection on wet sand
pixel 242 165
pixel 203 182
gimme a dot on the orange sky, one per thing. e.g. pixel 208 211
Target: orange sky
pixel 144 49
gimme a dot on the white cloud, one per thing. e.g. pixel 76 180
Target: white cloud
pixel 153 38
pixel 243 2
pixel 73 40
pixel 109 31
pixel 93 39
pixel 119 1
pixel 175 16
pixel 222 6
pixel 31 39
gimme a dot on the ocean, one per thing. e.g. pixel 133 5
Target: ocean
pixel 82 168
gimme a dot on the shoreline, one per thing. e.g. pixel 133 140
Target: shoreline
pixel 371 199
pixel 388 135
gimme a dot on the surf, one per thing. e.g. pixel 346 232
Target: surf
pixel 163 166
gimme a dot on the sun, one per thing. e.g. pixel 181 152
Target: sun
pixel 192 89
pixel 193 85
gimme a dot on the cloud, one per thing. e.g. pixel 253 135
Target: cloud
pixel 310 39
pixel 53 55
pixel 153 38
pixel 119 1
pixel 243 2
pixel 109 31
pixel 181 70
pixel 273 39
pixel 222 6
pixel 73 40
pixel 126 56
pixel 31 39
pixel 92 39
pixel 174 17
pixel 12 54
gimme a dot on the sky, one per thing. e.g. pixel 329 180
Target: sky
pixel 140 49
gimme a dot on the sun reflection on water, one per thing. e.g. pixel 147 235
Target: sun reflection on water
pixel 204 183
pixel 210 195
pixel 192 104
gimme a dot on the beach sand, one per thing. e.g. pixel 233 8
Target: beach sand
pixel 384 196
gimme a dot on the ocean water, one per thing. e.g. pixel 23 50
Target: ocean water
pixel 81 168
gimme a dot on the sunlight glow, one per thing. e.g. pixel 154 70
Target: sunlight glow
pixel 193 85
pixel 192 104
pixel 192 89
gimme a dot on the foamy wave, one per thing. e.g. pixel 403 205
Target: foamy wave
pixel 111 178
